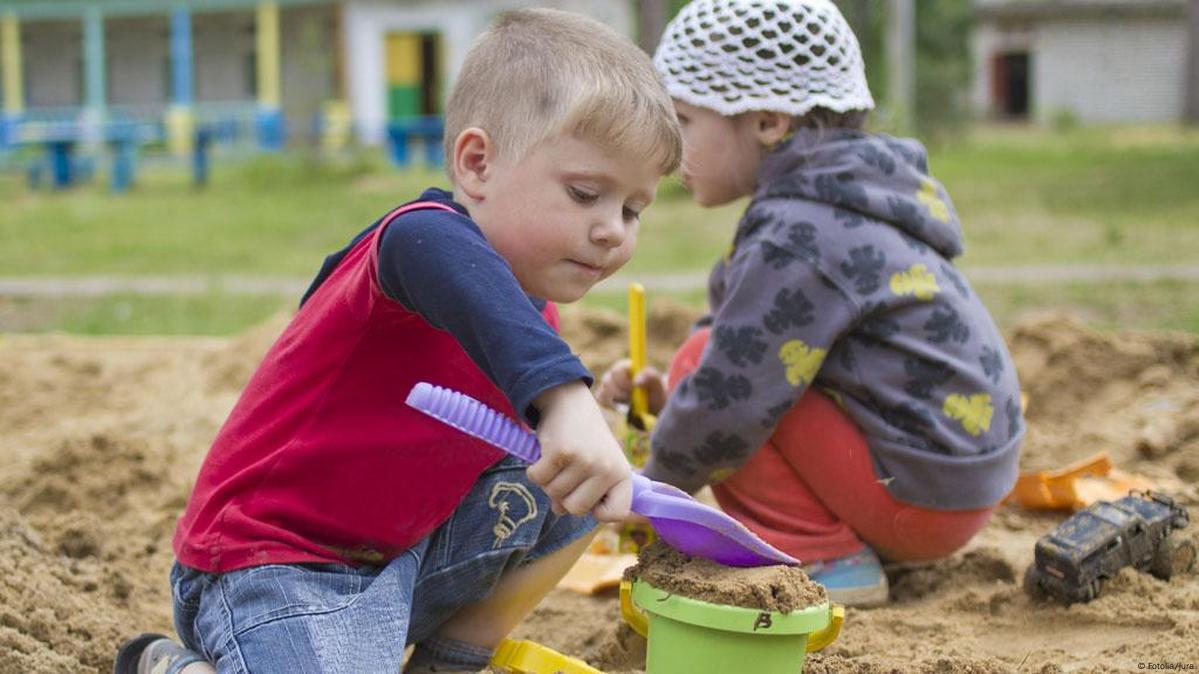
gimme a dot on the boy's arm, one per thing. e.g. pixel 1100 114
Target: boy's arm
pixel 769 339
pixel 440 266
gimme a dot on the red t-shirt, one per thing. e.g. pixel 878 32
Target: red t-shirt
pixel 321 460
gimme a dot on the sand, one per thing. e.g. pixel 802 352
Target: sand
pixel 766 588
pixel 101 437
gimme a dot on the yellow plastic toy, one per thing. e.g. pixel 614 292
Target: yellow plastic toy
pixel 615 548
pixel 640 423
pixel 527 657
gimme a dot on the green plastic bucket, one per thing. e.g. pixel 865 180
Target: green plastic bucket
pixel 687 636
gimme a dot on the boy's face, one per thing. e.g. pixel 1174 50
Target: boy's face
pixel 565 215
pixel 721 155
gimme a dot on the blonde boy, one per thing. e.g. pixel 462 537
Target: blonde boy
pixel 330 525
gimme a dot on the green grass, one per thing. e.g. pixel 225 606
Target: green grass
pixel 267 215
pixel 209 314
pixel 1106 196
pixel 1165 305
pixel 1026 197
pixel 1160 305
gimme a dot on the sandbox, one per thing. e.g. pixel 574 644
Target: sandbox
pixel 100 439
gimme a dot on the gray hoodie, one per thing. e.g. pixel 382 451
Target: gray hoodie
pixel 840 278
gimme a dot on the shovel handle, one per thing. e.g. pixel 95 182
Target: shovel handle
pixel 476 419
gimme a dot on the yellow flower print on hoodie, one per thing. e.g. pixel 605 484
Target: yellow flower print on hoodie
pixel 917 281
pixel 802 361
pixel 974 411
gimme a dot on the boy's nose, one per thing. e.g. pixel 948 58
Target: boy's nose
pixel 609 231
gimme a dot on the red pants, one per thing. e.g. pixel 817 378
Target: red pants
pixel 812 492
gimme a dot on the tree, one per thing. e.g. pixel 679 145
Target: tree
pixel 651 21
pixel 901 63
pixel 942 58
pixel 1191 111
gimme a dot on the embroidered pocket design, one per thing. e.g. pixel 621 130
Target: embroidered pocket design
pixel 515 505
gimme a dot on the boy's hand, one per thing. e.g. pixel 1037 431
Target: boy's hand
pixel 617 386
pixel 582 467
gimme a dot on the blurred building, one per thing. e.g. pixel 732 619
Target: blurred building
pixel 1097 61
pixel 267 68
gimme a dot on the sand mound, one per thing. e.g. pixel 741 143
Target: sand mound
pixel 769 588
pixel 1133 395
pixel 102 437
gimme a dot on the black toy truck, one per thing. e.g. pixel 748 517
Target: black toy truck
pixel 1095 543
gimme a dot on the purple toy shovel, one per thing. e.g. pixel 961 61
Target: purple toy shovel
pixel 686 524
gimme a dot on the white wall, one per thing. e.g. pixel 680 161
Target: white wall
pixel 366 23
pixel 138 52
pixel 1104 70
pixel 53 63
pixel 1109 71
pixel 223 44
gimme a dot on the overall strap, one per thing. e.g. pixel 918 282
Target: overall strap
pixel 414 206
pixel 371 237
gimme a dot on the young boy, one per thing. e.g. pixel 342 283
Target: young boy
pixel 330 525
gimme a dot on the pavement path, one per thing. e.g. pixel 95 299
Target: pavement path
pixel 293 286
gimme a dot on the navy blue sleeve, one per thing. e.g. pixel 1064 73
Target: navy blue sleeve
pixel 440 265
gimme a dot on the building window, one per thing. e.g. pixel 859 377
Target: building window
pixel 1011 84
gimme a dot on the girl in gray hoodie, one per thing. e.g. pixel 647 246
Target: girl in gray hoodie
pixel 848 395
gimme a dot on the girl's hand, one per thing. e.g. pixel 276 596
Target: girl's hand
pixel 617 386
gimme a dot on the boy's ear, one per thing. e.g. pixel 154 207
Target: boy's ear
pixel 474 153
pixel 772 127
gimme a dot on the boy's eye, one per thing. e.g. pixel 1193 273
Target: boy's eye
pixel 630 214
pixel 581 196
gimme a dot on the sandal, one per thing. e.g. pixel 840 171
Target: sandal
pixel 129 657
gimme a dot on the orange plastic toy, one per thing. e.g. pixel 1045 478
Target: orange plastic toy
pixel 1075 486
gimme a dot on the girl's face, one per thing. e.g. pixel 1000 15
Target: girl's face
pixel 721 155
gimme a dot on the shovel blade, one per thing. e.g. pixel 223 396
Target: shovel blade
pixel 700 530
pixel 697 540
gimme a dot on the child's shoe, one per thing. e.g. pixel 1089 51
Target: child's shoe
pixel 153 654
pixel 852 580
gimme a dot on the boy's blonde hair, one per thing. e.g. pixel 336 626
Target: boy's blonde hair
pixel 538 72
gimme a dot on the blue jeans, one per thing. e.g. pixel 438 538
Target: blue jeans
pixel 297 618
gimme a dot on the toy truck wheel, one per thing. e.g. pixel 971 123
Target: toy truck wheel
pixel 1173 557
pixel 1032 584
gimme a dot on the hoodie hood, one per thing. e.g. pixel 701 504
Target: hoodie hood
pixel 869 176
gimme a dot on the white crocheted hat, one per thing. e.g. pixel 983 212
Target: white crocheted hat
pixel 733 56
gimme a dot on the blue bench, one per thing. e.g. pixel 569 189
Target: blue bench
pixel 425 130
pixel 62 166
